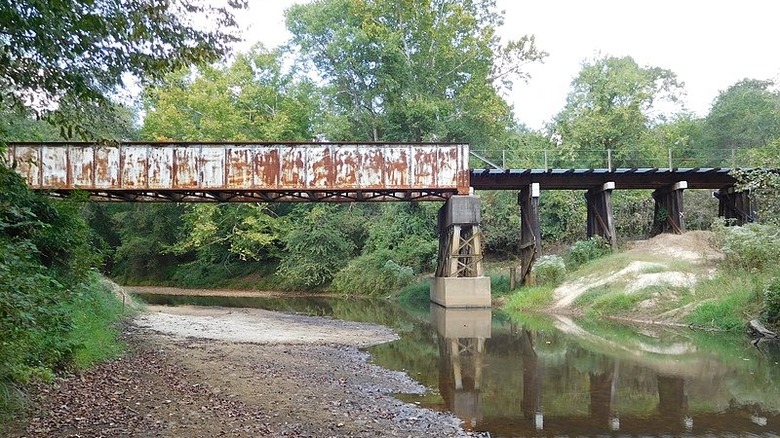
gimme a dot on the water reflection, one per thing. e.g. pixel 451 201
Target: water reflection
pixel 461 337
pixel 534 376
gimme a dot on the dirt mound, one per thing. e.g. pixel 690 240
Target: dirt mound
pixel 693 246
pixel 674 261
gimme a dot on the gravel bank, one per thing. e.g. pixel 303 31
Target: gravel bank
pixel 205 372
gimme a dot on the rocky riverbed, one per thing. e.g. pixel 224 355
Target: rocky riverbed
pixel 208 372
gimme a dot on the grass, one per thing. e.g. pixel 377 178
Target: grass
pixel 617 303
pixel 728 300
pixel 531 298
pixel 96 316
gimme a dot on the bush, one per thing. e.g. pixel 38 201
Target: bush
pixel 584 251
pixel 754 247
pixel 549 270
pixel 375 273
pixel 771 306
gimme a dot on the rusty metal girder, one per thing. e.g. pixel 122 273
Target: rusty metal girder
pixel 222 172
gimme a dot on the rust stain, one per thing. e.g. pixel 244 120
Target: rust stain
pixel 239 168
pixel 279 170
pixel 185 167
pixel 347 167
pixel 267 168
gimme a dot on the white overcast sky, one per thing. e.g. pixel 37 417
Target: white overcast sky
pixel 709 44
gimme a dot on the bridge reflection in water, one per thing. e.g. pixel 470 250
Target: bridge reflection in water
pixel 511 380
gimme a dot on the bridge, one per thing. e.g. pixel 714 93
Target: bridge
pixel 363 172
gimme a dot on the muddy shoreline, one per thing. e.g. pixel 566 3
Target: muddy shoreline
pixel 195 372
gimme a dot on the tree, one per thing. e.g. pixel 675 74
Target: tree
pixel 250 99
pixel 746 115
pixel 411 71
pixel 63 59
pixel 611 107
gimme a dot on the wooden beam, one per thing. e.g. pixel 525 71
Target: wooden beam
pixel 530 230
pixel 600 220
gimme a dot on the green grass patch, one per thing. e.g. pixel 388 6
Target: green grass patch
pixel 416 294
pixel 96 315
pixel 728 300
pixel 617 303
pixel 531 298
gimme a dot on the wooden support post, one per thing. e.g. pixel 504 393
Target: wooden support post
pixel 460 280
pixel 736 208
pixel 600 220
pixel 530 230
pixel 669 213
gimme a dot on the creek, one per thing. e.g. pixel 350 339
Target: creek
pixel 536 375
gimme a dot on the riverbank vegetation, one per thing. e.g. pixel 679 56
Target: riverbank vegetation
pixel 404 73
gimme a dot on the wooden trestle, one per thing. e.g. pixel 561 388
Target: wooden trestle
pixel 530 230
pixel 735 207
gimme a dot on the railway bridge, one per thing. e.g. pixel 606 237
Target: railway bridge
pixel 364 172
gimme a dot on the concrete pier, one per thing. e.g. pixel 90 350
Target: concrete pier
pixel 460 280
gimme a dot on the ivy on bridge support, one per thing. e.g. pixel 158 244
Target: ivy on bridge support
pixel 669 213
pixel 736 207
pixel 530 230
pixel 460 280
pixel 600 220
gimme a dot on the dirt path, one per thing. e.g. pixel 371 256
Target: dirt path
pixel 195 372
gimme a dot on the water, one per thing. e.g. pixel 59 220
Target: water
pixel 539 376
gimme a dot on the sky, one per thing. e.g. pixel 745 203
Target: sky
pixel 710 45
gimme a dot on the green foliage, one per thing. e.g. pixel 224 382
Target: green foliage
pixel 408 230
pixel 249 100
pixel 764 187
pixel 550 270
pixel 500 222
pixel 724 313
pixel 633 213
pixel 374 273
pixel 752 247
pixel 771 303
pixel 316 248
pixel 611 108
pixel 531 298
pixel 84 48
pixel 616 303
pixel 147 232
pixel 562 214
pixel 96 312
pixel 745 115
pixel 411 71
pixel 52 313
pixel 583 251
pixel 416 294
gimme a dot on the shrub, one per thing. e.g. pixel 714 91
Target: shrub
pixel 751 247
pixel 771 307
pixel 584 251
pixel 549 270
pixel 375 273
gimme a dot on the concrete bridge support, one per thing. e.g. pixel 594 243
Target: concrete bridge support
pixel 460 280
pixel 600 220
pixel 530 234
pixel 669 213
pixel 737 208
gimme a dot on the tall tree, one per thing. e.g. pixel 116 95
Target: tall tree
pixel 250 99
pixel 746 115
pixel 64 59
pixel 411 70
pixel 611 107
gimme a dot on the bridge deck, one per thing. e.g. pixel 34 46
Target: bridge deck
pixel 624 178
pixel 288 172
pixel 246 171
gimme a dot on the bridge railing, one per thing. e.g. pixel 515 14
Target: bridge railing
pixel 561 158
